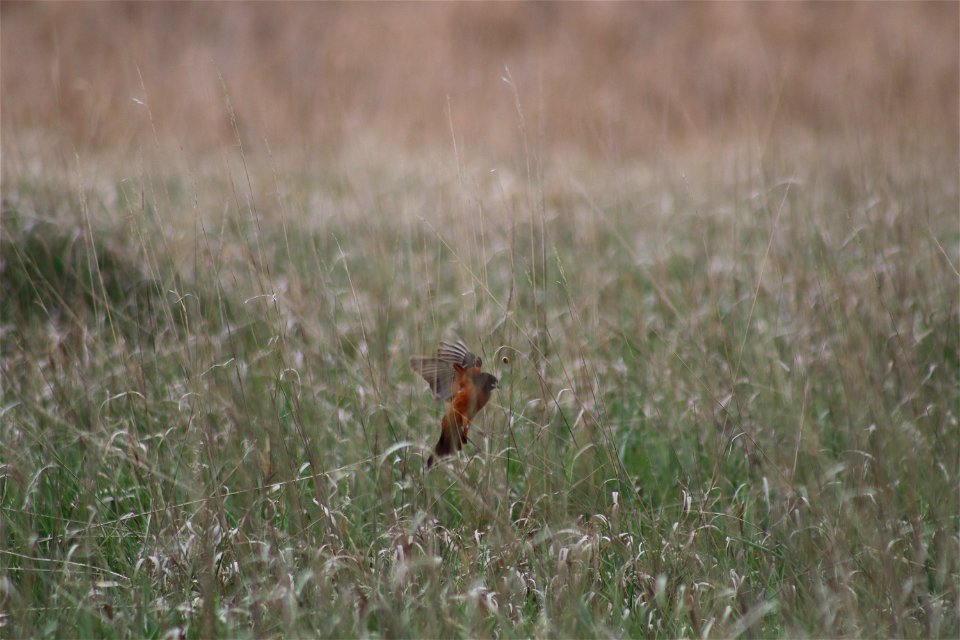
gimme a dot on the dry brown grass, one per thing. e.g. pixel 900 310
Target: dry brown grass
pixel 719 242
pixel 613 81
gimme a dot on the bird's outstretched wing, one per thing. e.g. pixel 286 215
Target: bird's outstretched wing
pixel 457 353
pixel 438 371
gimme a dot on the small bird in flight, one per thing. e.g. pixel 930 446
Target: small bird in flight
pixel 454 377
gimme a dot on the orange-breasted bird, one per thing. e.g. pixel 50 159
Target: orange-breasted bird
pixel 455 377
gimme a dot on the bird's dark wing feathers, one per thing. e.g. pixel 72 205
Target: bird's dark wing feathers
pixel 457 353
pixel 439 372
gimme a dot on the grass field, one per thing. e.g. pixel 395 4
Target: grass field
pixel 728 398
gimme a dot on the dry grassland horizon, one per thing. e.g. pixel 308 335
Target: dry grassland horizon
pixel 608 81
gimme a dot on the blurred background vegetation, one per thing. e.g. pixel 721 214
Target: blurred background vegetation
pixel 717 244
pixel 615 81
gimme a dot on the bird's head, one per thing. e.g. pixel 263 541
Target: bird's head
pixel 486 381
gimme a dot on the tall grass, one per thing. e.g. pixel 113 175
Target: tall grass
pixel 728 396
pixel 728 403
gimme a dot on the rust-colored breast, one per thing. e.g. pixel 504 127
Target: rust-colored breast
pixel 469 398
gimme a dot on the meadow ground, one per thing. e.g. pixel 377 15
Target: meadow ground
pixel 728 396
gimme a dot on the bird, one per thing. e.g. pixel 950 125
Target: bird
pixel 455 377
